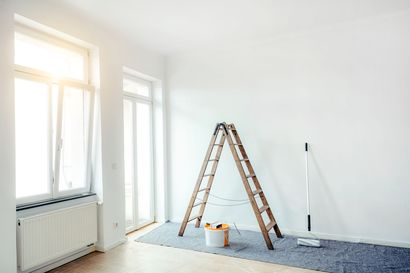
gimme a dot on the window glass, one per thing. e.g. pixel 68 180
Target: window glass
pixel 54 113
pixel 73 145
pixel 129 162
pixel 144 166
pixel 137 87
pixel 58 61
pixel 32 138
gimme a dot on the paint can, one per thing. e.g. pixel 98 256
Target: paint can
pixel 217 236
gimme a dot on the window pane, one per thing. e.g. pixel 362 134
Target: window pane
pixel 74 139
pixel 144 166
pixel 128 164
pixel 141 88
pixel 32 138
pixel 54 112
pixel 47 57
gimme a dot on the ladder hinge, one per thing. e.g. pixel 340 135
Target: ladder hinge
pixel 216 128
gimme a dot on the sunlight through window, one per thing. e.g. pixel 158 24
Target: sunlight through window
pixel 59 62
pixel 52 115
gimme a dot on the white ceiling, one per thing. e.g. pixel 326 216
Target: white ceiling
pixel 171 26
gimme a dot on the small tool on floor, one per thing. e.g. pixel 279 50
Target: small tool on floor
pixel 305 241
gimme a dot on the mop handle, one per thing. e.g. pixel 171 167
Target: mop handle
pixel 307 184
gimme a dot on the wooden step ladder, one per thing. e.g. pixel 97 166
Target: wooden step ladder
pixel 230 134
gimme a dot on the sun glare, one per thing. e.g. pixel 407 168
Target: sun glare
pixel 46 57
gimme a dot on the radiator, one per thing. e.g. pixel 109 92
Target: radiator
pixel 48 236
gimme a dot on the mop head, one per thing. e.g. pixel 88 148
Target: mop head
pixel 308 242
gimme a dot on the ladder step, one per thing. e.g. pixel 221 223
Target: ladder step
pixel 197 204
pixel 194 217
pixel 204 189
pixel 237 144
pixel 270 225
pixel 213 159
pixel 250 175
pixel 257 192
pixel 262 209
pixel 244 159
pixel 209 174
pixel 218 145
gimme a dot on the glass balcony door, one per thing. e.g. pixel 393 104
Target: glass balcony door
pixel 138 160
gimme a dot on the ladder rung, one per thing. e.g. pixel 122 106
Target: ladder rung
pixel 237 144
pixel 194 217
pixel 270 225
pixel 250 175
pixel 197 204
pixel 257 192
pixel 209 174
pixel 218 145
pixel 204 189
pixel 262 209
pixel 244 159
pixel 213 159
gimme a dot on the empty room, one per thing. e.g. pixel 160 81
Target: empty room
pixel 176 136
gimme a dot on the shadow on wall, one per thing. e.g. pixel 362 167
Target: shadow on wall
pixel 279 193
pixel 327 197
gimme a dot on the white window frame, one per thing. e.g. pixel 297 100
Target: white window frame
pixel 134 99
pixel 31 74
pixel 142 98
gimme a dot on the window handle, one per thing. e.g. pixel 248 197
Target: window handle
pixel 60 144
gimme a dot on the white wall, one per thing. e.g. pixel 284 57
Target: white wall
pixel 114 53
pixel 343 88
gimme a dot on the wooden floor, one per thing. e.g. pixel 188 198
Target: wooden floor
pixel 133 257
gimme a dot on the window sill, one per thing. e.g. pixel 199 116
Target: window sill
pixel 52 201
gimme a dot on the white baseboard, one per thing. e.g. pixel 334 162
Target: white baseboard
pixel 324 236
pixel 111 246
pixel 60 261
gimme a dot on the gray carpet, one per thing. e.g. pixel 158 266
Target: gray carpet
pixel 333 256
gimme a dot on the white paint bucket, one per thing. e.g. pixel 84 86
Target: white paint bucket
pixel 216 237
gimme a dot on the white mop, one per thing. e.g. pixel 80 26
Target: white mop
pixel 302 241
